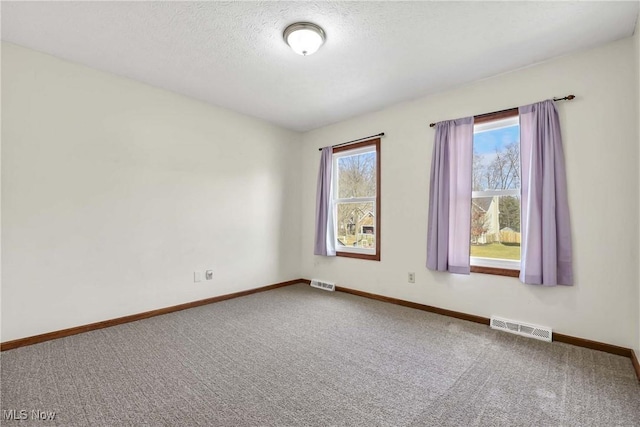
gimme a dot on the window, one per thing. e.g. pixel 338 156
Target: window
pixel 495 200
pixel 356 200
pixel 534 181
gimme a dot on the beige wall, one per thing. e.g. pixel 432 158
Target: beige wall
pixel 114 193
pixel 636 41
pixel 601 147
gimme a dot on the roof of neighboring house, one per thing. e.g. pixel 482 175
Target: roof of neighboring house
pixel 367 214
pixel 483 203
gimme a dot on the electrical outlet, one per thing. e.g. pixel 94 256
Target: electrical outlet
pixel 197 276
pixel 208 274
pixel 412 277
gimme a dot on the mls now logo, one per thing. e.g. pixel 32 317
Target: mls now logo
pixel 23 414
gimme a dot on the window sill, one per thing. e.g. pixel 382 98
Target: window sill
pixel 375 257
pixel 495 271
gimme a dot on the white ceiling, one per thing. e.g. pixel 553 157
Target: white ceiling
pixel 231 54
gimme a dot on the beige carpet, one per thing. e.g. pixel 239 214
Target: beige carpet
pixel 298 356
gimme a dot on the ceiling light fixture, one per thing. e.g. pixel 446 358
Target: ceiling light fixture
pixel 304 38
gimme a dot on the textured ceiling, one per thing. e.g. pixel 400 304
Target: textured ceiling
pixel 231 54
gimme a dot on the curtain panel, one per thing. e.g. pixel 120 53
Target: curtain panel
pixel 325 237
pixel 546 251
pixel 449 220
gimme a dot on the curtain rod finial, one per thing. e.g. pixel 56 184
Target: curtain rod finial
pixel 568 98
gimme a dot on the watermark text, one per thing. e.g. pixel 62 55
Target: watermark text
pixel 27 414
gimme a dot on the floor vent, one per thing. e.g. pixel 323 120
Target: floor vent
pixel 320 284
pixel 526 330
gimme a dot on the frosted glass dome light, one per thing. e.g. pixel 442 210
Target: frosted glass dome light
pixel 304 38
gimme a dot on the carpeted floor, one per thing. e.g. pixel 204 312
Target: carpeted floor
pixel 299 356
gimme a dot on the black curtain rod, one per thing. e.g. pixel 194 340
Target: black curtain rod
pixel 567 98
pixel 355 140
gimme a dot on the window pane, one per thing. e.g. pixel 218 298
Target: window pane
pixel 356 225
pixel 496 158
pixel 495 227
pixel 357 175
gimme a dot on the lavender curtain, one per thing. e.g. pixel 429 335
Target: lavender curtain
pixel 546 253
pixel 448 229
pixel 325 240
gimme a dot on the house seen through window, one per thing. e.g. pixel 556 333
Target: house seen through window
pixel 495 205
pixel 356 200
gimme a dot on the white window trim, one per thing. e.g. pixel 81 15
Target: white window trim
pixel 336 201
pixel 507 264
pixel 496 124
pixel 351 249
pixel 341 248
pixel 491 193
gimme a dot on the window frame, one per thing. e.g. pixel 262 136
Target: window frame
pixel 358 253
pixel 496 267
